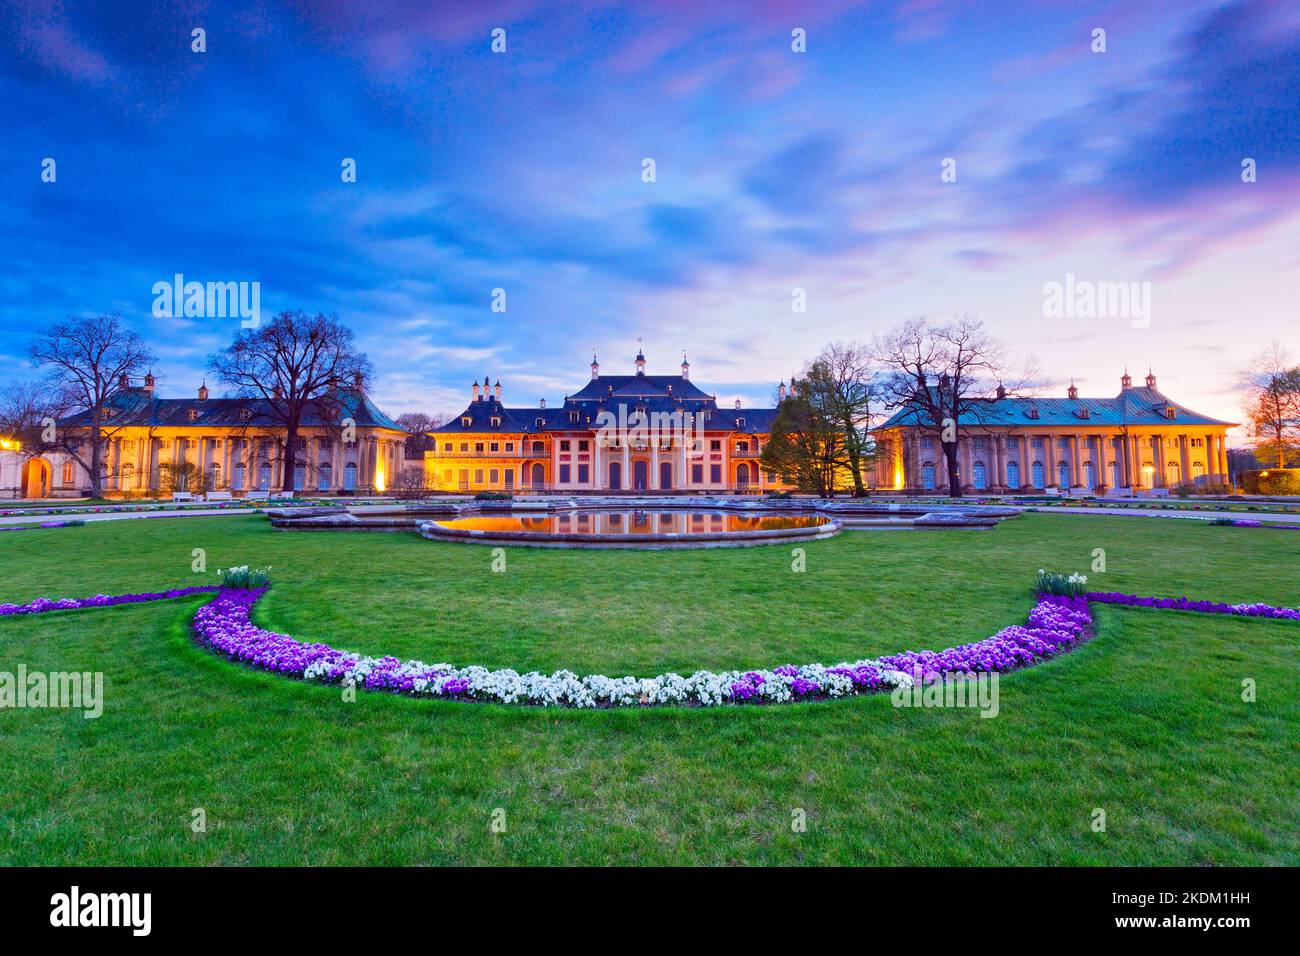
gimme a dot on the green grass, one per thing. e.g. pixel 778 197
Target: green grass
pixel 1145 722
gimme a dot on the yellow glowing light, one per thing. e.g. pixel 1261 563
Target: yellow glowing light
pixel 381 484
pixel 10 444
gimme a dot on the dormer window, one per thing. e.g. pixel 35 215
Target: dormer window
pixel 245 414
pixel 573 416
pixel 193 414
pixel 740 423
pixel 496 422
pixel 1032 413
pixel 1084 412
pixel 466 421
pixel 1171 412
pixel 541 422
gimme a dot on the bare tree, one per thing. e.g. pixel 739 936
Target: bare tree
pixel 292 365
pixel 88 362
pixel 1272 384
pixel 419 424
pixel 24 407
pixel 947 375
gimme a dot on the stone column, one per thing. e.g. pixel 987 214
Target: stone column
pixel 1076 476
pixel 654 464
pixel 1049 465
pixel 1158 459
pixel 1000 457
pixel 1184 461
pixel 1223 457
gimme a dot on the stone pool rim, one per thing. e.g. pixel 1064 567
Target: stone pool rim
pixel 828 528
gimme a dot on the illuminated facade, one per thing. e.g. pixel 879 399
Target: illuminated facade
pixel 233 444
pixel 639 432
pixel 1139 440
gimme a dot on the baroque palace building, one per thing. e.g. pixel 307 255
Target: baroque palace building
pixel 634 432
pixel 233 442
pixel 1139 440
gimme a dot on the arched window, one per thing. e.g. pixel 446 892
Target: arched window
pixel 742 475
pixel 324 476
pixel 1114 474
pixel 1013 474
pixel 69 472
pixel 1062 475
pixel 927 476
pixel 299 475
pixel 350 476
pixel 237 482
pixel 1198 469
pixel 1173 474
pixel 264 475
pixel 1037 471
pixel 1089 475
pixel 978 476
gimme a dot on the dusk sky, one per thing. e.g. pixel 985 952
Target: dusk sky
pixel 775 170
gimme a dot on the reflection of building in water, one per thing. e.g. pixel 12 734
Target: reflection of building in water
pixel 633 522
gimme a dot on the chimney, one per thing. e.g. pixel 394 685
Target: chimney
pixel 476 390
pixel 498 388
pixel 1072 392
pixel 780 391
pixel 595 367
pixel 203 391
pixel 149 381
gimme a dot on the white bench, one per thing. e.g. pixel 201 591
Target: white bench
pixel 182 496
pixel 1159 492
pixel 219 496
pixel 257 496
pixel 282 496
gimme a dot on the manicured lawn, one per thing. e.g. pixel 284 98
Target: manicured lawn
pixel 1145 722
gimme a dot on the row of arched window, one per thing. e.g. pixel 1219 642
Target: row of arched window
pixel 1038 474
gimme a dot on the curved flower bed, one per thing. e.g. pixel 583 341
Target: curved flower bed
pixel 1055 624
pixel 40 605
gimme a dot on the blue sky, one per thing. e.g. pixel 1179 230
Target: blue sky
pixel 775 170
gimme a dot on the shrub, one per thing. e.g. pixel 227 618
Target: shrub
pixel 779 494
pixel 492 496
pixel 1056 582
pixel 1271 481
pixel 245 577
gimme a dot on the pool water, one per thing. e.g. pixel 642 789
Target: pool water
pixel 629 521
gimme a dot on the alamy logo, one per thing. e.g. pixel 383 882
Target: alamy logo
pixel 214 300
pixel 74 909
pixel 639 429
pixel 58 690
pixel 970 689
pixel 1084 299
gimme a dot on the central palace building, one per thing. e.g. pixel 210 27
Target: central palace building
pixel 491 446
